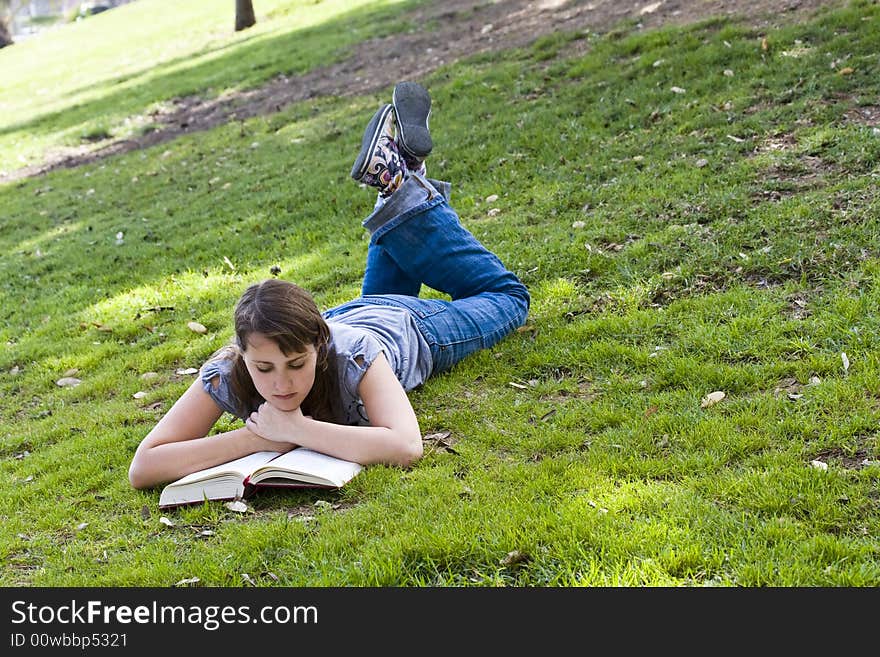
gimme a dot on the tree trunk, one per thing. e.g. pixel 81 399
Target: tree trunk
pixel 5 36
pixel 244 14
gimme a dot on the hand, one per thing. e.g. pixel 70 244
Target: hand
pixel 279 426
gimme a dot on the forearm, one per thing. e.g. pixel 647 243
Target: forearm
pixel 362 444
pixel 169 461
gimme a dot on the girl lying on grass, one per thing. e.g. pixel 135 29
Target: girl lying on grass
pixel 336 382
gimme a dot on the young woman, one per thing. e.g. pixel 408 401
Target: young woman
pixel 336 382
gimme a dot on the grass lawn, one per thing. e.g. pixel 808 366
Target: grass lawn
pixel 694 210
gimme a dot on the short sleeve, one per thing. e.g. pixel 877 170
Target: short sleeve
pixel 354 351
pixel 215 377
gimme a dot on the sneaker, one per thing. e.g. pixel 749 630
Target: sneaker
pixel 412 105
pixel 379 163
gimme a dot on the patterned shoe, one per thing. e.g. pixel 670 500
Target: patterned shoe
pixel 412 105
pixel 379 163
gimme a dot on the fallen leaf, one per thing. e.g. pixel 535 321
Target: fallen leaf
pixel 68 382
pixel 238 506
pixel 578 224
pixel 728 73
pixel 248 579
pixel 702 162
pixel 764 44
pixel 846 70
pixel 819 465
pixel 678 90
pixel 712 398
pixel 206 532
pixel 149 376
pixel 188 581
pixel 28 479
pixel 440 440
pixel 650 411
pixel 71 372
pixel 492 198
pixel 188 370
pixel 518 385
pixel 82 526
pixel 650 9
pixel 271 575
pixel 493 212
pixel 845 360
pixel 738 140
pixel 549 414
pixel 165 521
pixel 145 512
pixel 24 537
pixel 227 260
pixel 140 394
pixel 516 557
pixel 195 327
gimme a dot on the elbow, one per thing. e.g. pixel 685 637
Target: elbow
pixel 136 478
pixel 137 475
pixel 411 452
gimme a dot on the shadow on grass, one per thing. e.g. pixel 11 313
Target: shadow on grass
pixel 291 53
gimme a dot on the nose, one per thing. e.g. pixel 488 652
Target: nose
pixel 284 382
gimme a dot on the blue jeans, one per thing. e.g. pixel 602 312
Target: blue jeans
pixel 416 237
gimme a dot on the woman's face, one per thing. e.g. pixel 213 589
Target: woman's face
pixel 283 380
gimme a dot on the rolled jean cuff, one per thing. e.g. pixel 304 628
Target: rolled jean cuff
pixel 441 186
pixel 416 192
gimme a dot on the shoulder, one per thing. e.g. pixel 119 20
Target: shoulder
pixel 219 365
pixel 216 375
pixel 351 340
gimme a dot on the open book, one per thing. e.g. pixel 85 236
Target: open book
pixel 298 468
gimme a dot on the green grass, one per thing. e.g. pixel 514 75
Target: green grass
pixel 656 279
pixel 120 70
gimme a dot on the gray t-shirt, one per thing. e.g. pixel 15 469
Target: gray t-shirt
pixel 356 338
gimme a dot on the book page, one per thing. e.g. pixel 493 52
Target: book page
pixel 241 467
pixel 305 461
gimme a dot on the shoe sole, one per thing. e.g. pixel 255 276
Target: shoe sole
pixel 370 140
pixel 412 106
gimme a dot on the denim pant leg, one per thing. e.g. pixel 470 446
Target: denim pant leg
pixel 382 274
pixel 421 236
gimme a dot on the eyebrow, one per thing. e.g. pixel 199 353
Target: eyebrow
pixel 269 362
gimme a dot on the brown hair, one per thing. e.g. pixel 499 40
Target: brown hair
pixel 286 314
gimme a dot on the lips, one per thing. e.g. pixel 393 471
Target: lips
pixel 290 396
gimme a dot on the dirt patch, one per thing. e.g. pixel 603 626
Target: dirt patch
pixel 857 460
pixel 868 115
pixel 458 29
